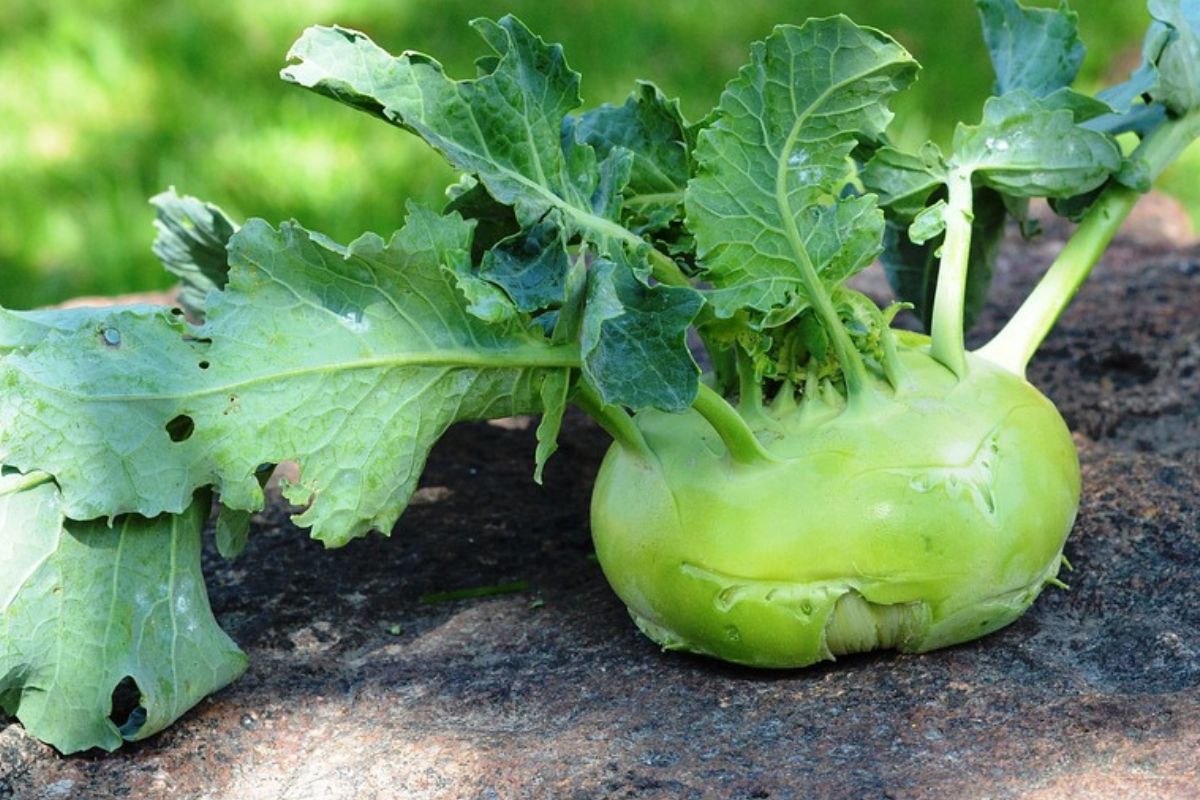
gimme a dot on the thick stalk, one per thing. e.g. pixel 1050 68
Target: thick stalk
pixel 1015 344
pixel 950 295
pixel 618 424
pixel 739 440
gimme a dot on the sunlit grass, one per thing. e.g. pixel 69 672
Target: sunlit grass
pixel 104 103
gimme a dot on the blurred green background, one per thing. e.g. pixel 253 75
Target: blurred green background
pixel 103 103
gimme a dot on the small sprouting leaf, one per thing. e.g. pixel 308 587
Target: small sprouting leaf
pixel 652 128
pixel 1034 49
pixel 904 181
pixel 84 606
pixel 191 241
pixel 634 339
pixel 771 168
pixel 1023 149
pixel 929 223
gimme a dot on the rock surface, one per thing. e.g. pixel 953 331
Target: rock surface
pixel 358 689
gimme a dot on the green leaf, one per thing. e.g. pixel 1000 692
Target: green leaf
pixel 555 390
pixel 191 241
pixel 652 128
pixel 84 606
pixel 494 221
pixel 912 269
pixel 350 361
pixel 772 167
pixel 531 267
pixel 634 339
pixel 1033 49
pixel 1026 150
pixel 232 532
pixel 1143 81
pixel 904 181
pixel 1178 63
pixel 504 127
pixel 931 222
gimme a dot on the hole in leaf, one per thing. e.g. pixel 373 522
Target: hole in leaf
pixel 181 428
pixel 204 365
pixel 127 711
pixel 177 311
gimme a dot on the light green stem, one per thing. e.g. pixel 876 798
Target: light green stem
pixel 951 292
pixel 618 424
pixel 848 357
pixel 739 440
pixel 25 482
pixel 1015 344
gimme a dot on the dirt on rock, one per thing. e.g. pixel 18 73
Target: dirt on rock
pixel 359 689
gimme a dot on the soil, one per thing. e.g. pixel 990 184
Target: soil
pixel 359 689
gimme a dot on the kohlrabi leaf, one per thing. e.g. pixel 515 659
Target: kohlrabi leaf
pixel 494 221
pixel 652 128
pixel 505 127
pixel 531 267
pixel 767 200
pixel 912 268
pixel 83 606
pixel 1178 63
pixel 1023 149
pixel 904 181
pixel 634 339
pixel 350 361
pixel 555 390
pixel 191 241
pixel 929 223
pixel 1035 49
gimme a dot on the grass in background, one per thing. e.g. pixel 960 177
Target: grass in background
pixel 106 102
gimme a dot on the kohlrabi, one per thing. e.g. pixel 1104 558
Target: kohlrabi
pixel 828 485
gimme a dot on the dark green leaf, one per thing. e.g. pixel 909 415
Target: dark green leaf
pixel 634 339
pixel 531 267
pixel 191 241
pixel 493 220
pixel 652 128
pixel 1035 49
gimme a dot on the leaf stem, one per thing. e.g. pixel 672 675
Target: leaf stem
pixel 21 483
pixel 662 266
pixel 1015 344
pixel 950 295
pixel 618 424
pixel 750 393
pixel 739 440
pixel 848 357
